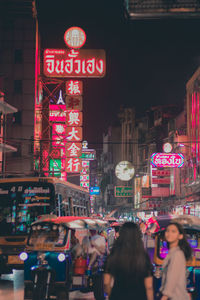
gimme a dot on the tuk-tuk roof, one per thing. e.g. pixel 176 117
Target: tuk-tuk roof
pixel 74 222
pixel 187 221
pixel 116 224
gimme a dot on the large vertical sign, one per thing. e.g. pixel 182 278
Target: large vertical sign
pixel 59 116
pixel 74 135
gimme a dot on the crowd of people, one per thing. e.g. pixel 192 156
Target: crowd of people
pixel 127 271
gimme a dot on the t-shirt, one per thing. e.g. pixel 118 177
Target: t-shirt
pixel 131 287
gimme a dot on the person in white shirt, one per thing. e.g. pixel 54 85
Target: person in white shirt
pixel 173 285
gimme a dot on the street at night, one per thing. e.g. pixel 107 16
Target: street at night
pixel 99 150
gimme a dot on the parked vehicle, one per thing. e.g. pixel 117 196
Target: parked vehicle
pixel 53 260
pixel 22 201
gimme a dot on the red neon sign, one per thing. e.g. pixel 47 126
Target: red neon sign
pixel 75 37
pixel 73 63
pixel 74 118
pixel 74 88
pixel 171 160
pixel 73 149
pixel 74 134
pixel 73 165
pixel 74 102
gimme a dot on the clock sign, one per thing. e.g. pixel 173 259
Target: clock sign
pixel 124 170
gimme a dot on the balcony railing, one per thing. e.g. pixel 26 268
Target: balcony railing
pixel 162 8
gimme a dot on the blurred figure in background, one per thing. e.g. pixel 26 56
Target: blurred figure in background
pixel 173 285
pixel 128 270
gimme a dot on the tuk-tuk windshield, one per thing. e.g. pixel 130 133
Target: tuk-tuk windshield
pixel 47 234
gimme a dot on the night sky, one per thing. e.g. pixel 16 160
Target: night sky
pixel 148 61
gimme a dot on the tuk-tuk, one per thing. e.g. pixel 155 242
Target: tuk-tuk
pixel 53 261
pixel 192 229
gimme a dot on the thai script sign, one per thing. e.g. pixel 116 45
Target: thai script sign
pixel 88 154
pixel 123 191
pixel 171 160
pixel 74 63
pixel 160 172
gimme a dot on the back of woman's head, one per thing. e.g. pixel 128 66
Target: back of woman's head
pixel 183 243
pixel 128 255
pixel 130 232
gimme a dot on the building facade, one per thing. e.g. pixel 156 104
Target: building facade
pixel 17 73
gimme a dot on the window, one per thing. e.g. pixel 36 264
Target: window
pixel 18 56
pixel 17 118
pixel 18 86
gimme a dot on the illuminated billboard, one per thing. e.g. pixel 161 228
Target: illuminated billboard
pixel 94 190
pixel 170 160
pixel 75 37
pixel 74 63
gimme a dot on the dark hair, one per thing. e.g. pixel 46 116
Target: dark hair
pixel 183 243
pixel 128 255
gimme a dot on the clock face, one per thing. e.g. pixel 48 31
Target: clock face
pixel 124 170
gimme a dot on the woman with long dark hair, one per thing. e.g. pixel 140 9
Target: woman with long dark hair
pixel 128 271
pixel 174 266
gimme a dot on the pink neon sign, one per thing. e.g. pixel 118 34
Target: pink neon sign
pixel 74 63
pixel 171 160
pixel 57 113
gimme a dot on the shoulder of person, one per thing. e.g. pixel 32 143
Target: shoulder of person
pixel 178 254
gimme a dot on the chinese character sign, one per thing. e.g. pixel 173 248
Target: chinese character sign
pixel 58 129
pixel 73 165
pixel 74 88
pixel 171 160
pixel 74 118
pixel 74 134
pixel 73 149
pixel 74 102
pixel 74 63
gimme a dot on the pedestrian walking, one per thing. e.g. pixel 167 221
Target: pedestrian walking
pixel 128 270
pixel 173 285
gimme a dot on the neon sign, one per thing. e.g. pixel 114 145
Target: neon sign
pixel 74 118
pixel 74 102
pixel 73 165
pixel 57 113
pixel 58 129
pixel 74 134
pixel 74 63
pixel 73 149
pixel 75 37
pixel 171 160
pixel 74 88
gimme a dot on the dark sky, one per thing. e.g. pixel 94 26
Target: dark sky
pixel 148 61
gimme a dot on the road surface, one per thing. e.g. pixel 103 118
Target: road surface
pixel 12 288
